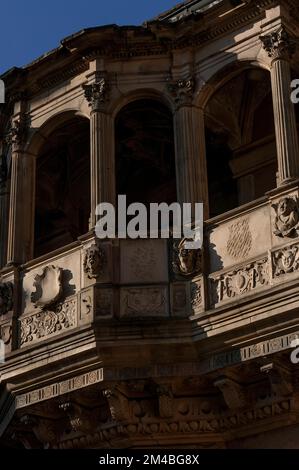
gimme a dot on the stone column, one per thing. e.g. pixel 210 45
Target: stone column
pixel 191 167
pixel 280 48
pixel 101 145
pixel 20 226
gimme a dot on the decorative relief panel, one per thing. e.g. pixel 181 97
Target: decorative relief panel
pixel 239 242
pixel 286 260
pixel 6 297
pixel 48 287
pixel 147 301
pixel 180 300
pixel 47 323
pixel 143 261
pixel 197 297
pixel 286 223
pixel 104 302
pixel 241 281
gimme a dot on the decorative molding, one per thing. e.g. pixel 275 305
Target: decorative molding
pixel 286 223
pixel 48 287
pixel 6 297
pixel 41 325
pixel 186 262
pixel 59 388
pixel 97 93
pixel 241 281
pixel 94 261
pixel 279 44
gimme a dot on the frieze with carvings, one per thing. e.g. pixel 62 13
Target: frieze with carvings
pixel 286 223
pixel 241 281
pixel 94 261
pixel 186 262
pixel 48 287
pixel 6 297
pixel 286 260
pixel 47 322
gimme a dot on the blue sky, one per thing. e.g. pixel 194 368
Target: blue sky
pixel 29 28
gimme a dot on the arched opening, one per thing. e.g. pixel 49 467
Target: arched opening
pixel 144 153
pixel 240 141
pixel 62 197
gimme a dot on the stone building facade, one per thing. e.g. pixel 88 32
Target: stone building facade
pixel 132 343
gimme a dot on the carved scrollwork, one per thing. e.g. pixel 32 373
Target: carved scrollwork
pixel 242 281
pixel 186 262
pixel 286 222
pixel 94 261
pixel 6 297
pixel 97 93
pixel 48 287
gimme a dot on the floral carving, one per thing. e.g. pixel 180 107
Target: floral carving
pixel 286 222
pixel 286 260
pixel 97 93
pixel 242 281
pixel 279 44
pixel 94 261
pixel 48 287
pixel 47 323
pixel 186 262
pixel 6 297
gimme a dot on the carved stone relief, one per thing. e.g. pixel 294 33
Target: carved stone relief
pixel 241 281
pixel 6 297
pixel 196 295
pixel 239 242
pixel 94 261
pixel 47 322
pixel 144 301
pixel 186 262
pixel 48 287
pixel 286 223
pixel 285 261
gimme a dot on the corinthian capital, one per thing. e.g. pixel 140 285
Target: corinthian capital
pixel 97 93
pixel 16 133
pixel 182 90
pixel 279 44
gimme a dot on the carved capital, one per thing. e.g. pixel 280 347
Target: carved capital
pixel 97 93
pixel 279 44
pixel 182 90
pixel 16 133
pixel 6 297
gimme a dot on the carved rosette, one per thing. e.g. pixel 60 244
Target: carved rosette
pixel 6 297
pixel 182 90
pixel 279 44
pixel 97 93
pixel 48 287
pixel 286 223
pixel 186 262
pixel 94 261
